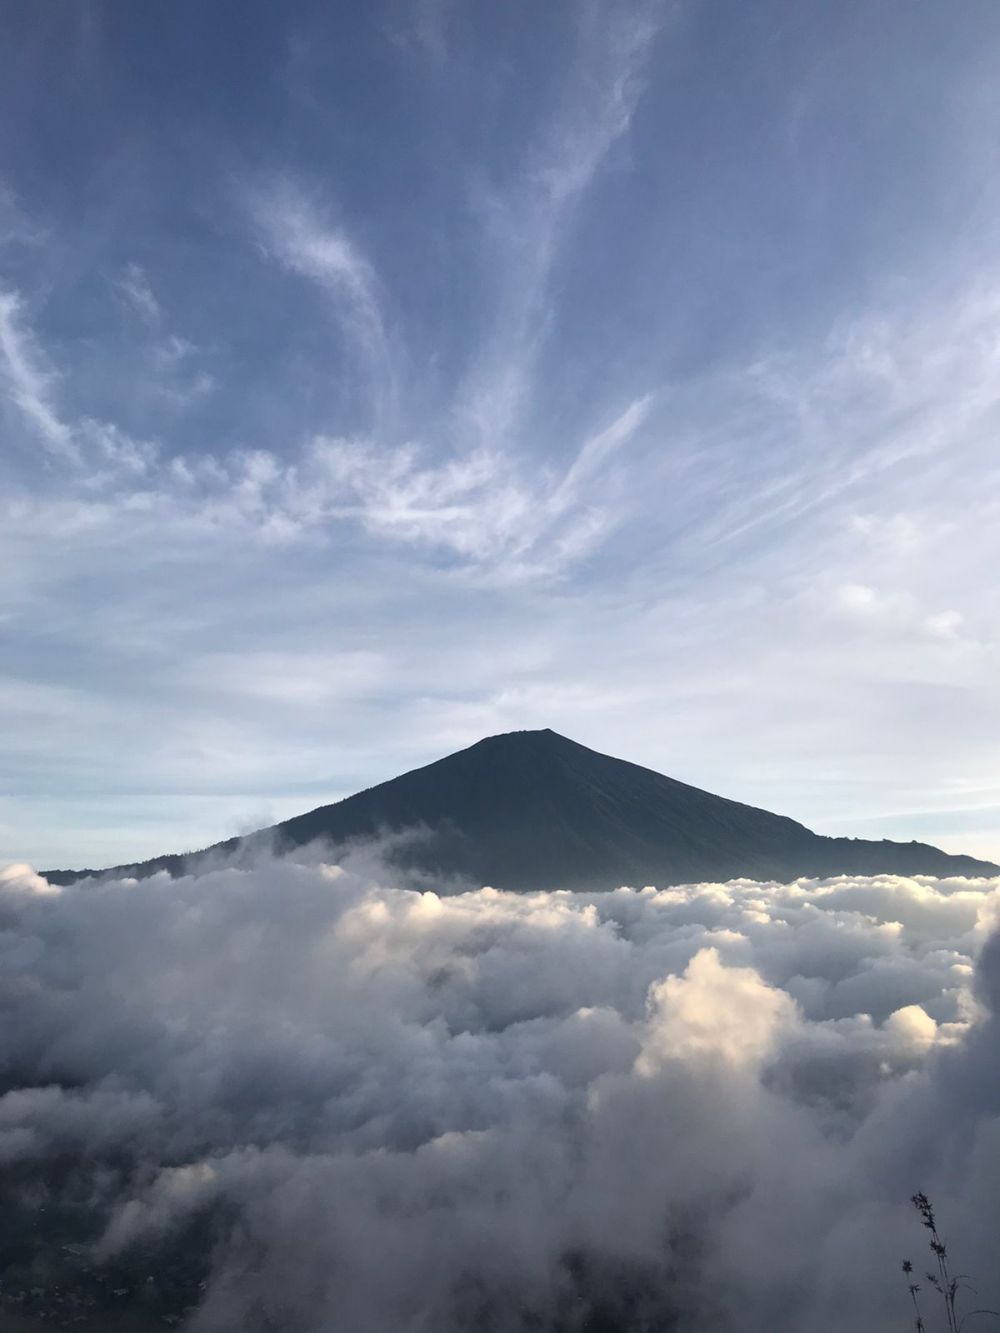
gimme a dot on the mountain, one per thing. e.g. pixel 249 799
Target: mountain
pixel 532 810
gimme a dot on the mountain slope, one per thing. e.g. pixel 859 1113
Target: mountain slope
pixel 532 810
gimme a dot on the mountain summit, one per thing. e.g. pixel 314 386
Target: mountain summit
pixel 533 810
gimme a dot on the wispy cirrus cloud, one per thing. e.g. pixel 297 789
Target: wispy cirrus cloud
pixel 422 27
pixel 526 217
pixel 96 452
pixel 30 381
pixel 490 510
pixel 485 501
pixel 16 227
pixel 481 506
pixel 296 232
pixel 134 287
pixel 484 515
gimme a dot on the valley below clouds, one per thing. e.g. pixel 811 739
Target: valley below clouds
pixel 294 1097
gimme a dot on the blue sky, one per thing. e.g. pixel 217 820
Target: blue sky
pixel 378 377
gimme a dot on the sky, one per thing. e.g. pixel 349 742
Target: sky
pixel 378 377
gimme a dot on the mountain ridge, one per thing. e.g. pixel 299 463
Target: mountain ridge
pixel 533 809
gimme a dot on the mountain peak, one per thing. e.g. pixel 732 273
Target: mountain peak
pixel 533 809
pixel 523 735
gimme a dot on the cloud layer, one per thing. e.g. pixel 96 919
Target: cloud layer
pixel 307 1100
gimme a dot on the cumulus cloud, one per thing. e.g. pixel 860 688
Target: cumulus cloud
pixel 299 1097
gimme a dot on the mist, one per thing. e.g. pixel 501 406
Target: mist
pixel 293 1096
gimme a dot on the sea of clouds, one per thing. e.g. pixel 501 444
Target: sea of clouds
pixel 332 1104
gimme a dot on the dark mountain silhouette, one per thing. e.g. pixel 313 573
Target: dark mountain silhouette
pixel 533 810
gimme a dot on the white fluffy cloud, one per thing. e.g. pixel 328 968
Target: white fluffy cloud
pixel 342 1105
